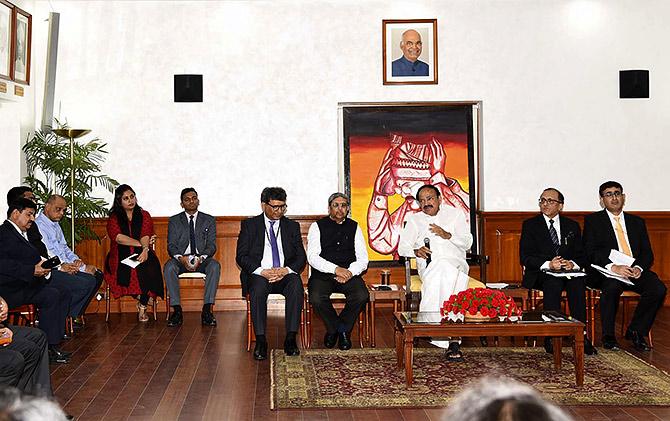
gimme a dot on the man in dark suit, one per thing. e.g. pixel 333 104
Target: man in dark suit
pixel 613 229
pixel 23 280
pixel 271 255
pixel 24 363
pixel 551 243
pixel 192 244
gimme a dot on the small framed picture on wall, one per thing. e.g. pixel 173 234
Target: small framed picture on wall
pixel 23 24
pixel 409 51
pixel 6 21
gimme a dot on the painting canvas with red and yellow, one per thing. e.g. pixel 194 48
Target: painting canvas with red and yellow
pixel 391 151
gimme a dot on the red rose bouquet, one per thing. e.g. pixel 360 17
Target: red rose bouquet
pixel 480 301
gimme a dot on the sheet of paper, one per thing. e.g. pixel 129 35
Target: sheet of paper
pixel 496 285
pixel 612 275
pixel 619 258
pixel 566 274
pixel 128 261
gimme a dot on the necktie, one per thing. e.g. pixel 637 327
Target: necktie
pixel 621 237
pixel 273 245
pixel 191 235
pixel 554 236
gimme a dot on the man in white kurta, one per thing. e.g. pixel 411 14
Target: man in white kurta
pixel 449 237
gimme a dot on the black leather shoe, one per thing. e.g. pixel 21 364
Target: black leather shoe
pixel 261 351
pixel 589 349
pixel 548 346
pixel 609 342
pixel 207 318
pixel 291 347
pixel 638 340
pixel 176 319
pixel 57 356
pixel 330 340
pixel 344 342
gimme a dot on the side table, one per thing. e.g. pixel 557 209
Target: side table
pixel 398 297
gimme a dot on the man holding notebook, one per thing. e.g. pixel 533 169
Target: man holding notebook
pixel 608 234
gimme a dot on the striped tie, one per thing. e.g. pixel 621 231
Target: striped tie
pixel 554 236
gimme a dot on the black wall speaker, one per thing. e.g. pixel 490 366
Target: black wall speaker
pixel 634 84
pixel 187 88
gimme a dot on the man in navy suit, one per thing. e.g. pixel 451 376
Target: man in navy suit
pixel 612 229
pixel 191 245
pixel 551 243
pixel 271 255
pixel 23 280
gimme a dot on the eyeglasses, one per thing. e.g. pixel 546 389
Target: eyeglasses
pixel 543 201
pixel 339 205
pixel 277 207
pixel 611 194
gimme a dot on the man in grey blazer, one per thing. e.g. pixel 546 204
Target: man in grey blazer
pixel 191 245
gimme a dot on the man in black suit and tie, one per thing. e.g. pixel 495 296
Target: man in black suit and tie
pixel 552 243
pixel 613 229
pixel 192 244
pixel 271 255
pixel 23 280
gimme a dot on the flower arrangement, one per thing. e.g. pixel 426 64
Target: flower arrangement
pixel 486 302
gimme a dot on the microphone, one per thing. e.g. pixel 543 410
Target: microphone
pixel 426 242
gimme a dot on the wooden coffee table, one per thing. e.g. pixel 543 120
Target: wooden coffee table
pixel 408 325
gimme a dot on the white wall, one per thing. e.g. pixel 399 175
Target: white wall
pixel 16 123
pixel 274 72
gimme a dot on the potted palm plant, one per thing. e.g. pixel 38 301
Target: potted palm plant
pixel 49 168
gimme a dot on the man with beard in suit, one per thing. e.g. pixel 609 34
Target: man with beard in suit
pixel 551 244
pixel 271 255
pixel 612 229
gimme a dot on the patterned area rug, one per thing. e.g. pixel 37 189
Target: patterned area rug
pixel 368 378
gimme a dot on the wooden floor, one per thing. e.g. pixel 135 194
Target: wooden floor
pixel 127 370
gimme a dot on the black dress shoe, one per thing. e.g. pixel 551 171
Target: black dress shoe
pixel 291 347
pixel 609 342
pixel 548 346
pixel 176 319
pixel 261 351
pixel 57 356
pixel 207 318
pixel 330 340
pixel 638 340
pixel 589 349
pixel 344 342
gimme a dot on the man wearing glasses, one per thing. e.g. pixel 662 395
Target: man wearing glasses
pixel 550 250
pixel 271 256
pixel 439 237
pixel 338 255
pixel 609 235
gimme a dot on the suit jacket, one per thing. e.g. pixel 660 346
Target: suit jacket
pixel 251 243
pixel 536 246
pixel 600 238
pixel 17 265
pixel 179 238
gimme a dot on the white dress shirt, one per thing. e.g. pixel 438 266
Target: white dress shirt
pixel 322 265
pixel 266 262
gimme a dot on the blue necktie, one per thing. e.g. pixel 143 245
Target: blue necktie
pixel 191 234
pixel 554 236
pixel 273 245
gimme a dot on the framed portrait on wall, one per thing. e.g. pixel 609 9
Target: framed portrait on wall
pixel 23 26
pixel 390 150
pixel 6 22
pixel 409 51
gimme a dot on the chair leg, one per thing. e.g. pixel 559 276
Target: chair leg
pixel 108 303
pixel 302 329
pixel 360 328
pixel 651 342
pixel 248 324
pixel 155 306
pixel 308 323
pixel 624 315
pixel 167 306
